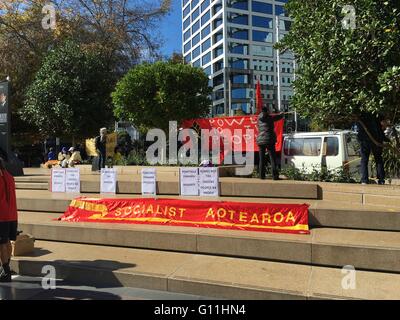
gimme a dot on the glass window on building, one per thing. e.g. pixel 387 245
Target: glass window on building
pixel 204 5
pixel 217 22
pixel 186 23
pixel 194 3
pixel 262 7
pixel 207 70
pixel 205 45
pixel 217 7
pixel 205 31
pixel 188 58
pixel 219 109
pixel 219 65
pixel 187 35
pixel 261 36
pixel 262 22
pixel 218 37
pixel 196 27
pixel 218 51
pixel 195 14
pixel 264 51
pixel 239 48
pixel 197 63
pixel 237 63
pixel 239 4
pixel 205 18
pixel 185 2
pixel 236 33
pixel 186 11
pixel 218 80
pixel 196 52
pixel 240 93
pixel 238 18
pixel 240 79
pixel 284 25
pixel 196 39
pixel 280 11
pixel 187 47
pixel 206 58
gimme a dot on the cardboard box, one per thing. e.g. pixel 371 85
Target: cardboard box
pixel 24 245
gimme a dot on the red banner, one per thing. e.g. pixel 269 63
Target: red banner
pixel 237 122
pixel 267 217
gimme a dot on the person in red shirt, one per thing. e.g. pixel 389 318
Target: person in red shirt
pixel 8 220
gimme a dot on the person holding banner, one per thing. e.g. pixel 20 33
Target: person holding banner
pixel 8 221
pixel 101 149
pixel 266 140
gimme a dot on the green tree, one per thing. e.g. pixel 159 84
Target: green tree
pixel 150 95
pixel 344 71
pixel 70 94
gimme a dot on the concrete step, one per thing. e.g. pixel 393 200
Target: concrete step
pixel 32 186
pixel 204 275
pixel 369 250
pixel 322 213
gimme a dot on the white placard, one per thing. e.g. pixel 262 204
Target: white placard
pixel 57 180
pixel 72 180
pixel 209 182
pixel 108 183
pixel 189 180
pixel 149 184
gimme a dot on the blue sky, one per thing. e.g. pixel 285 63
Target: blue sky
pixel 171 30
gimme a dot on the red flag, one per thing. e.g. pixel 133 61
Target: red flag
pixel 258 97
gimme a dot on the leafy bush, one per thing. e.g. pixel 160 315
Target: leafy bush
pixel 319 174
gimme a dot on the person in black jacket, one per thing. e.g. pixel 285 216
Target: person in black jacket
pixel 374 126
pixel 266 140
pixel 101 149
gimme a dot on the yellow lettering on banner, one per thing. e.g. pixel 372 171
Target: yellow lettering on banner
pixel 221 212
pixel 118 212
pixel 172 212
pixel 290 217
pixel 158 210
pixel 254 218
pixel 231 214
pixel 150 209
pixel 276 220
pixel 266 217
pixel 243 215
pixel 210 213
pixel 136 209
pixel 181 211
pixel 127 211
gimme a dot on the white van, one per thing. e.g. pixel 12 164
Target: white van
pixel 334 149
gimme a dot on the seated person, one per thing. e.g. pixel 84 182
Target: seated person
pixel 51 159
pixel 63 157
pixel 117 159
pixel 75 157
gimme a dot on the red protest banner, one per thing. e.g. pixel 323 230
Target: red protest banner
pixel 240 143
pixel 286 218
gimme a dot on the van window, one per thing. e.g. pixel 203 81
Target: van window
pixel 353 146
pixel 309 147
pixel 332 146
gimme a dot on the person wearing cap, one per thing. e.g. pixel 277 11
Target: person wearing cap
pixel 8 221
pixel 63 157
pixel 75 157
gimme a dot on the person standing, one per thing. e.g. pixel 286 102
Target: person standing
pixel 8 221
pixel 266 140
pixel 372 123
pixel 101 149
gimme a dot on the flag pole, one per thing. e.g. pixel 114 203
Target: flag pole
pixel 278 63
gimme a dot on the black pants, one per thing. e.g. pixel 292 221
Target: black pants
pixel 102 160
pixel 272 157
pixel 366 149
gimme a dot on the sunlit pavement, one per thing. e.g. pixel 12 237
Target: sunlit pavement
pixel 30 288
